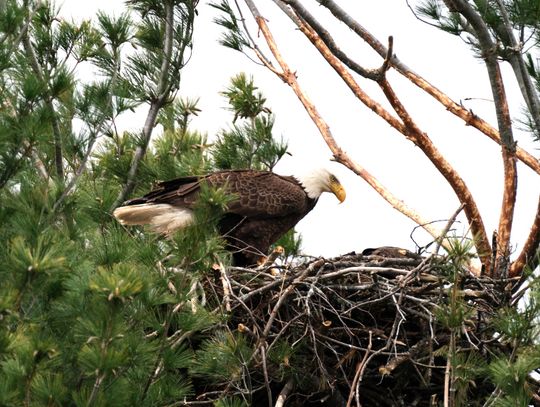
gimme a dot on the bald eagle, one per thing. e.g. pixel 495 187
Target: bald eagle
pixel 265 206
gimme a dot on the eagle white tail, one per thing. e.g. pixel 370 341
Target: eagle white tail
pixel 162 218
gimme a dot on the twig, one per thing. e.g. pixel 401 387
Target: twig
pixel 287 292
pixel 227 288
pixel 446 229
pixel 284 393
pixel 358 375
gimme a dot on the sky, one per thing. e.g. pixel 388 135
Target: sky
pixel 364 219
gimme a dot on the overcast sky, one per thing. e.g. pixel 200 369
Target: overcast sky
pixel 365 219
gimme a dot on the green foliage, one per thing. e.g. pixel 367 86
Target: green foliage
pixel 234 36
pixel 249 144
pixel 91 313
pixel 511 378
pixel 224 357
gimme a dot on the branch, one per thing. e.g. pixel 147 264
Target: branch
pixel 518 65
pixel 505 129
pixel 446 229
pixel 77 174
pixel 284 393
pixel 408 128
pixel 58 156
pixel 530 254
pixel 458 110
pixel 156 104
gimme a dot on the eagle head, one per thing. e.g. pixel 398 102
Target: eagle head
pixel 321 180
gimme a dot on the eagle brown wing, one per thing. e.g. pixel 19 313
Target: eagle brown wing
pixel 261 194
pixel 264 207
pixel 179 192
pixel 256 193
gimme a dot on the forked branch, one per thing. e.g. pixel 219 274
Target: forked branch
pixel 408 128
pixel 457 109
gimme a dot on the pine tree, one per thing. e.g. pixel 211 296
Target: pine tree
pixel 91 313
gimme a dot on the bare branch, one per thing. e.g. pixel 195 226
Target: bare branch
pixel 455 108
pixel 505 129
pixel 530 254
pixel 284 393
pixel 446 229
pixel 450 174
pixel 408 128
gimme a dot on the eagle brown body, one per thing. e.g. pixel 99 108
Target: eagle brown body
pixel 265 206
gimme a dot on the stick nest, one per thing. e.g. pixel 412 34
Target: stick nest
pixel 366 330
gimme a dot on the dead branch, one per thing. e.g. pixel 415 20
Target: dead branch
pixel 445 168
pixel 530 254
pixel 408 128
pixel 505 129
pixel 289 386
pixel 457 109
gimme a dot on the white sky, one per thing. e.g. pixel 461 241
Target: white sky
pixel 365 219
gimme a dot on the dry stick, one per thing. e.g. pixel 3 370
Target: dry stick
pixel 504 122
pixel 530 254
pixel 412 132
pixel 458 110
pixel 227 288
pixel 340 156
pixel 280 402
pixel 446 229
pixel 265 374
pixel 358 374
pixel 286 292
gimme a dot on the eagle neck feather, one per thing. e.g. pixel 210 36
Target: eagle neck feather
pixel 313 184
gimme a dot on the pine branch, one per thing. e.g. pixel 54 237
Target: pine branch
pixel 58 156
pixel 78 173
pixel 519 67
pixel 163 90
pixel 458 110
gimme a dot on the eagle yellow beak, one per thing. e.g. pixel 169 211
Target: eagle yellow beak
pixel 338 190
